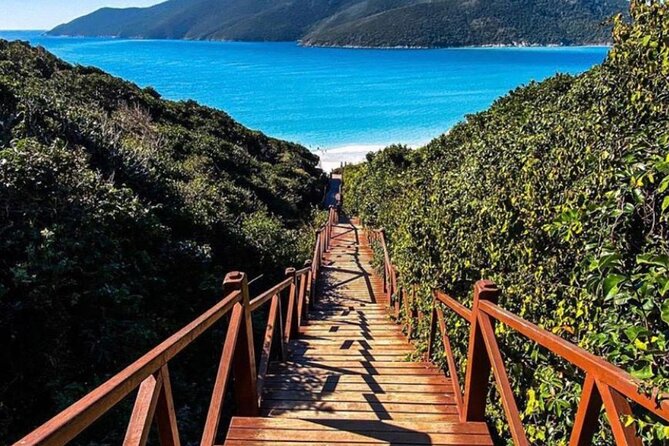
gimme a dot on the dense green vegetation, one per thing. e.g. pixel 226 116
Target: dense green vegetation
pixel 560 194
pixel 120 213
pixel 450 23
pixel 370 23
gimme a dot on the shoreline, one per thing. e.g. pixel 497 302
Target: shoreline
pixel 331 158
pixel 517 45
pixel 300 43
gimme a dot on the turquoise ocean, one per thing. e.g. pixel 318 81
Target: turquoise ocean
pixel 325 97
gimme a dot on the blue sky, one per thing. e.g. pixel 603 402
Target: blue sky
pixel 45 14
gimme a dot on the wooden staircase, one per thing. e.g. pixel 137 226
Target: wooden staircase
pixel 343 375
pixel 347 379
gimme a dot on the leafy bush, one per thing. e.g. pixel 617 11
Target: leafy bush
pixel 560 194
pixel 119 215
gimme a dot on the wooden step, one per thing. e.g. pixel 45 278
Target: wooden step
pixel 347 379
pixel 375 388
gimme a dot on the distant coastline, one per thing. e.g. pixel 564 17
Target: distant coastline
pixel 384 24
pixel 334 100
pixel 483 46
pixel 46 33
pixel 335 46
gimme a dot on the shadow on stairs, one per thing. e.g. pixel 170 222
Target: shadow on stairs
pixel 346 380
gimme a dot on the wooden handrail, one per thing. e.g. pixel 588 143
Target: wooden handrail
pixel 261 299
pixel 71 421
pixel 454 305
pixel 149 373
pixel 606 385
pixel 602 370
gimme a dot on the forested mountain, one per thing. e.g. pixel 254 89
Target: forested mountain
pixel 120 213
pixel 373 23
pixel 560 194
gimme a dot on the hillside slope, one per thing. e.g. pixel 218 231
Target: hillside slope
pixel 373 23
pixel 560 194
pixel 468 23
pixel 120 213
pixel 285 20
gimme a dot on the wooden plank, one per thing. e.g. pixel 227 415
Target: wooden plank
pixel 358 415
pixel 397 437
pixel 338 351
pixel 358 323
pixel 141 418
pixel 345 343
pixel 371 370
pixel 359 378
pixel 244 360
pixel 587 415
pixel 375 388
pixel 166 419
pixel 378 328
pixel 222 377
pixel 357 426
pixel 450 360
pixel 317 355
pixel 308 395
pixel 290 327
pixel 478 362
pixel 304 362
pixel 356 406
pixel 503 385
pixel 273 317
pixel 617 407
pixel 328 443
pixel 342 336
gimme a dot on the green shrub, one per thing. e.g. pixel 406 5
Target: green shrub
pixel 119 215
pixel 559 193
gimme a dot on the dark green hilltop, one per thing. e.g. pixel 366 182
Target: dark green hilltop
pixel 364 23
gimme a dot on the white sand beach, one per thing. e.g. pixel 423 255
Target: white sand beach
pixel 355 153
pixel 333 158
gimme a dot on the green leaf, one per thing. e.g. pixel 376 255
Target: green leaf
pixel 664 184
pixel 664 311
pixel 652 259
pixel 633 333
pixel 611 284
pixel 643 373
pixel 665 203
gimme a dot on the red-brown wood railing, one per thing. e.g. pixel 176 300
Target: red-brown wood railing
pixel 605 384
pixel 150 375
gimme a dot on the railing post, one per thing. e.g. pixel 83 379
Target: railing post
pixel 166 419
pixel 143 412
pixel 382 239
pixel 308 292
pixel 587 414
pixel 323 242
pixel 244 362
pixel 433 330
pixel 398 302
pixel 478 362
pixel 315 266
pixel 290 329
pixel 329 227
pixel 301 284
pixel 616 406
